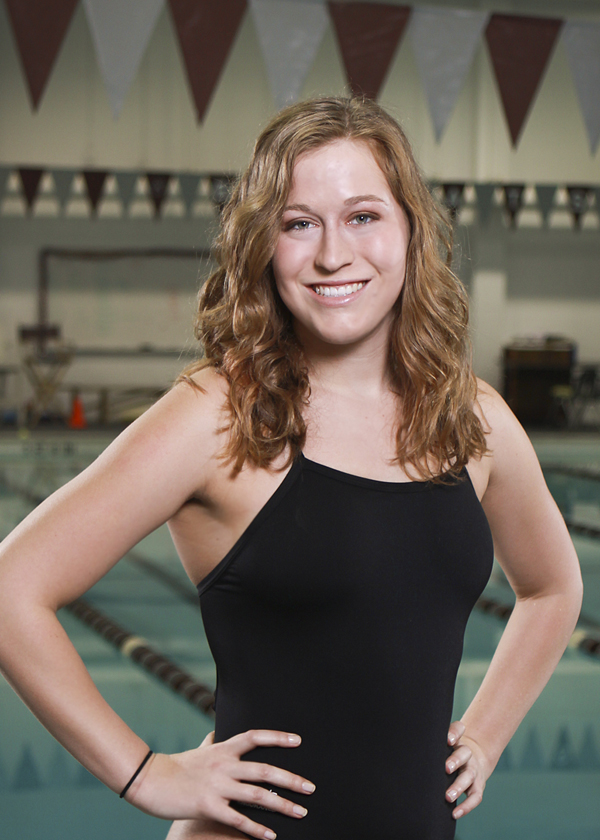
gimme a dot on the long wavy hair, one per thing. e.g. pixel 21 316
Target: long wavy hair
pixel 247 333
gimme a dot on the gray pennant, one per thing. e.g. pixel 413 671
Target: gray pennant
pixel 532 757
pixel 121 30
pixel 188 186
pixel 485 198
pixel 126 182
pixel 63 181
pixel 289 34
pixel 582 43
pixel 444 43
pixel 545 197
pixel 563 756
pixel 4 176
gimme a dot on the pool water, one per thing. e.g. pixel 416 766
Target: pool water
pixel 546 785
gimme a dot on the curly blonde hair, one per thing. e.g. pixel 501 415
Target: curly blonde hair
pixel 247 333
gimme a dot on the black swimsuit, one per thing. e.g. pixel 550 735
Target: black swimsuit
pixel 339 614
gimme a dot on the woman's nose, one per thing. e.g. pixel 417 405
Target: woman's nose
pixel 334 251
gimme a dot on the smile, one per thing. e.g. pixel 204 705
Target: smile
pixel 339 291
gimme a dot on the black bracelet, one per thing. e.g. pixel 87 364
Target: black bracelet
pixel 136 774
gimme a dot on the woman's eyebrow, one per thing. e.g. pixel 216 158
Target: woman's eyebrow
pixel 356 199
pixel 303 208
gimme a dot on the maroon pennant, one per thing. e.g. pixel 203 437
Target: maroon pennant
pixel 39 28
pixel 520 48
pixel 158 181
pixel 368 35
pixel 206 30
pixel 30 178
pixel 579 202
pixel 513 197
pixel 453 198
pixel 94 181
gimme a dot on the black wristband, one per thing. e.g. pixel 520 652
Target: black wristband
pixel 136 774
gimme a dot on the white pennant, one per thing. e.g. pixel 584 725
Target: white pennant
pixel 582 42
pixel 444 43
pixel 289 33
pixel 121 30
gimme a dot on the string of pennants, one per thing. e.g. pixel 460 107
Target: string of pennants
pixel 24 187
pixel 290 32
pixel 563 755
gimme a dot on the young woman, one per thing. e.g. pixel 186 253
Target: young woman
pixel 325 472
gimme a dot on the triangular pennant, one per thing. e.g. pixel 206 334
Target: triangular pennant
pixel 582 42
pixel 505 762
pixel 289 35
pixel 368 35
pixel 63 181
pixel 220 189
pixel 532 757
pixel 4 176
pixel 158 183
pixel 545 197
pixel 589 758
pixel 121 30
pixel 126 182
pixel 39 28
pixel 206 30
pixel 485 199
pixel 86 779
pixel 563 757
pixel 579 202
pixel 27 775
pixel 188 187
pixel 453 198
pixel 30 178
pixel 58 772
pixel 444 42
pixel 520 48
pixel 3 777
pixel 94 181
pixel 513 198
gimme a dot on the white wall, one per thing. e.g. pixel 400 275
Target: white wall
pixel 546 280
pixel 158 129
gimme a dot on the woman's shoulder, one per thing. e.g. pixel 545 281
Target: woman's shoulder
pixel 510 452
pixel 182 433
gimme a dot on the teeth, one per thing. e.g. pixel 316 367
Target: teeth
pixel 338 291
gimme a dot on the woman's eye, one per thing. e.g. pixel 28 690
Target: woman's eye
pixel 298 224
pixel 362 218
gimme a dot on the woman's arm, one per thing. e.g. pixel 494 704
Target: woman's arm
pixel 535 551
pixel 59 551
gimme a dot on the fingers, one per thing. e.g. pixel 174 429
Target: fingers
pixel 246 741
pixel 275 776
pixel 210 739
pixel 459 758
pixel 262 798
pixel 455 732
pixel 247 826
pixel 466 782
pixel 471 802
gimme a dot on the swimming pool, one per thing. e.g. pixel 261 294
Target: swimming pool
pixel 546 785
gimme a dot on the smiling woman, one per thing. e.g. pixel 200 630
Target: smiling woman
pixel 332 475
pixel 340 260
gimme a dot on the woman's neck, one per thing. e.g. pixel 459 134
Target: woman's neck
pixel 360 369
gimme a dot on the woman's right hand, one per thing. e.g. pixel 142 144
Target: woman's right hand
pixel 202 783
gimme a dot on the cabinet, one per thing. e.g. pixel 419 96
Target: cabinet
pixel 531 370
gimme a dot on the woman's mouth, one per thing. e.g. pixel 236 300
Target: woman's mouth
pixel 339 291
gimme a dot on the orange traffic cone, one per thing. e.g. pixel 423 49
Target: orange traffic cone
pixel 77 419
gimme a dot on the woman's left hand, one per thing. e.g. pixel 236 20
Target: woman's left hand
pixel 471 765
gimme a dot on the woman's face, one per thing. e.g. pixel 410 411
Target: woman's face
pixel 340 259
